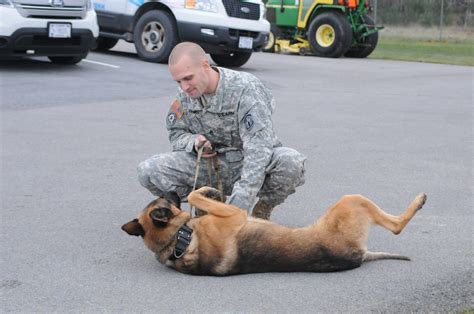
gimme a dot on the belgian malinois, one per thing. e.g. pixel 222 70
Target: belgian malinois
pixel 225 241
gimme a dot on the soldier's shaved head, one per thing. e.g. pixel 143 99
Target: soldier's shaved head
pixel 191 50
pixel 190 68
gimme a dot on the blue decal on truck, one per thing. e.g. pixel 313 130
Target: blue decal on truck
pixel 137 2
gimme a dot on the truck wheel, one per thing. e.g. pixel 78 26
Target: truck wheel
pixel 67 60
pixel 272 38
pixel 232 59
pixel 369 42
pixel 154 36
pixel 330 34
pixel 105 43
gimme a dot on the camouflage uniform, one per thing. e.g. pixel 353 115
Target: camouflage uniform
pixel 237 121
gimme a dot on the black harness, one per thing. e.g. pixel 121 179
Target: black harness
pixel 183 237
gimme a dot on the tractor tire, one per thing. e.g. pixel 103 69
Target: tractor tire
pixel 154 36
pixel 371 41
pixel 330 34
pixel 274 34
pixel 105 43
pixel 232 59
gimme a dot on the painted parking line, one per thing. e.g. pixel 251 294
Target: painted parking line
pixel 101 63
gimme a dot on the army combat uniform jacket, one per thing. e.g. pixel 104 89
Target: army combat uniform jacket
pixel 237 121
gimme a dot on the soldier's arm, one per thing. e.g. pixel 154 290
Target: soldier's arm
pixel 180 136
pixel 256 131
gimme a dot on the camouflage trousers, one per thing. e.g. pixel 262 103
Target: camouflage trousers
pixel 175 171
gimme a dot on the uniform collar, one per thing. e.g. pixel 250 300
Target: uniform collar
pixel 215 102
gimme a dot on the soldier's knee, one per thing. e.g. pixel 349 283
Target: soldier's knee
pixel 143 172
pixel 293 167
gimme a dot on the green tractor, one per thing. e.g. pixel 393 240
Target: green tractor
pixel 328 28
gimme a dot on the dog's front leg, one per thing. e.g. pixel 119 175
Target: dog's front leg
pixel 213 207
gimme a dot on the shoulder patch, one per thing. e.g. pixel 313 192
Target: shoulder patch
pixel 171 119
pixel 248 121
pixel 177 109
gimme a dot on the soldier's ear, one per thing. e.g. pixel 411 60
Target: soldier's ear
pixel 205 63
pixel 173 198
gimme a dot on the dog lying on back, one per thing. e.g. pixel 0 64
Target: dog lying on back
pixel 225 241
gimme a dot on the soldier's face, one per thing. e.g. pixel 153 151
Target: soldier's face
pixel 192 76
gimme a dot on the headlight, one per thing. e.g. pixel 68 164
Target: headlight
pixel 6 3
pixel 203 5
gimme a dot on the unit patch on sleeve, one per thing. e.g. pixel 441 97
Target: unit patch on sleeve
pixel 248 121
pixel 171 119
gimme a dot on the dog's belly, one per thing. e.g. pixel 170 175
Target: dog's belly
pixel 267 250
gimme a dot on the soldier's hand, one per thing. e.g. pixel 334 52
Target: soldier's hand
pixel 202 141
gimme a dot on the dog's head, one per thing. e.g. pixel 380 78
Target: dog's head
pixel 158 222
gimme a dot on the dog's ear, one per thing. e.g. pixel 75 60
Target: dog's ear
pixel 161 216
pixel 173 197
pixel 134 228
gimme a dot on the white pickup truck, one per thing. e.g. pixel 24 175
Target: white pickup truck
pixel 229 30
pixel 63 30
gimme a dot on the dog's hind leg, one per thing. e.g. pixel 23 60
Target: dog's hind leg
pixel 393 223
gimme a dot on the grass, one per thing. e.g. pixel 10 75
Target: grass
pixel 423 45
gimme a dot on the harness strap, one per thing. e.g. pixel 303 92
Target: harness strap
pixel 183 239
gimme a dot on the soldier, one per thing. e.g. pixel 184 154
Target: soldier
pixel 229 113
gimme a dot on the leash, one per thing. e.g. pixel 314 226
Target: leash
pixel 196 174
pixel 212 163
pixel 184 234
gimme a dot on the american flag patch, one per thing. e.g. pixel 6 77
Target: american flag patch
pixel 177 109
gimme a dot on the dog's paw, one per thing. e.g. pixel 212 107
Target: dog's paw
pixel 420 200
pixel 212 193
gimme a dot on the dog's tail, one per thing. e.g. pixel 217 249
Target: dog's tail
pixel 373 256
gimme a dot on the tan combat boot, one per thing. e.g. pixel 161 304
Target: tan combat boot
pixel 262 210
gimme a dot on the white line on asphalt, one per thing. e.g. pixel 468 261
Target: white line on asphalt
pixel 100 63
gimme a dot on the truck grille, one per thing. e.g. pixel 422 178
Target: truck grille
pixel 70 10
pixel 238 32
pixel 242 10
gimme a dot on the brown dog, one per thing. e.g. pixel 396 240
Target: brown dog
pixel 226 241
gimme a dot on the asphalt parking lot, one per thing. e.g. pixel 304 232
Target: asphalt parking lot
pixel 71 138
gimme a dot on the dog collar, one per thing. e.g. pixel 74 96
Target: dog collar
pixel 183 237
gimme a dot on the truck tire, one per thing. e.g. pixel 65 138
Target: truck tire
pixel 154 36
pixel 232 59
pixel 370 42
pixel 67 60
pixel 105 43
pixel 330 34
pixel 274 34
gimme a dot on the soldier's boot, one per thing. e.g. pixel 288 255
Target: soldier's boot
pixel 262 210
